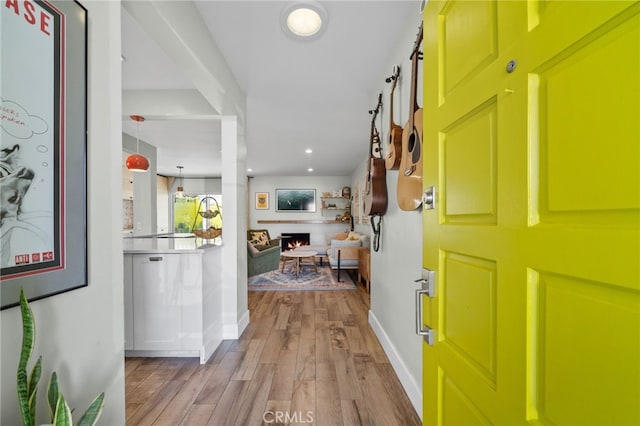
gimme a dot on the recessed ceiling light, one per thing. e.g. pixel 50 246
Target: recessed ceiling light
pixel 308 150
pixel 304 20
pixel 309 169
pixel 249 170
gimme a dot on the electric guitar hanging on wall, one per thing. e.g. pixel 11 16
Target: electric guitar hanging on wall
pixel 394 147
pixel 375 193
pixel 410 171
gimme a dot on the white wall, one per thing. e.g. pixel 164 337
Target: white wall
pixel 144 187
pixel 80 334
pixel 399 261
pixel 319 183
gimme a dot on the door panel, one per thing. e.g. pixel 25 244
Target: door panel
pixel 468 44
pixel 536 235
pixel 470 188
pixel 578 372
pixel 468 325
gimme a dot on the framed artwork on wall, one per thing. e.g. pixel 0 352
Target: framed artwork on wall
pixel 262 201
pixel 44 131
pixel 296 200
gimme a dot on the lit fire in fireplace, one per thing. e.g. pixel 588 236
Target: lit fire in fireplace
pixel 296 244
pixel 293 240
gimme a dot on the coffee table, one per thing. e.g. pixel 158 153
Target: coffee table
pixel 298 256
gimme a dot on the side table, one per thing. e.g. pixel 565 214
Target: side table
pixel 364 266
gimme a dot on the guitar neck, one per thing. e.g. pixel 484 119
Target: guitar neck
pixel 374 137
pixel 415 58
pixel 393 89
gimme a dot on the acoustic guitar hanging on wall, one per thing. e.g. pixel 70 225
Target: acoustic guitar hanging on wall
pixel 375 193
pixel 410 171
pixel 394 147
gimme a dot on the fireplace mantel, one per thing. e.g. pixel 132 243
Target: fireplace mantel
pixel 319 221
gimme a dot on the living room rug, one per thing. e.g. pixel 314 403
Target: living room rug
pixel 325 279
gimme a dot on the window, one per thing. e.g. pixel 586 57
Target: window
pixel 187 209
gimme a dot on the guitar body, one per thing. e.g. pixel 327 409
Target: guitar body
pixel 375 194
pixel 410 171
pixel 394 148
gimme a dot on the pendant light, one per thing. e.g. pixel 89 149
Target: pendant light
pixel 180 189
pixel 137 162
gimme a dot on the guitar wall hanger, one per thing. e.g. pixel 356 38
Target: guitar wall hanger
pixel 394 76
pixel 394 146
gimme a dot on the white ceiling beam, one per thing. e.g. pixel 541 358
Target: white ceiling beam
pixel 178 29
pixel 166 103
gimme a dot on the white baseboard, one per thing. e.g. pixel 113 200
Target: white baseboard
pixel 414 392
pixel 233 331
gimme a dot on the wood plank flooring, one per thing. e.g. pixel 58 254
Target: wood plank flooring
pixel 306 358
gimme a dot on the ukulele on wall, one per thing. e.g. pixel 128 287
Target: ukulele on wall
pixel 410 170
pixel 394 148
pixel 375 194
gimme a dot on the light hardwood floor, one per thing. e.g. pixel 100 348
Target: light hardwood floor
pixel 306 358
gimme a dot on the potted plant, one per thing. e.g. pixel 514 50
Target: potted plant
pixel 28 383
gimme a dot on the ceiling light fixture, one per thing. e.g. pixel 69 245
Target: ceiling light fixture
pixel 304 20
pixel 308 151
pixel 180 189
pixel 137 162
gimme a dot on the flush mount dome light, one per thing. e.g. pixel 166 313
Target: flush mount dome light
pixel 304 20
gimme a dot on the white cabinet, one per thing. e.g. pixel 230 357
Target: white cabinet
pixel 172 300
pixel 157 301
pixel 128 302
pixel 192 298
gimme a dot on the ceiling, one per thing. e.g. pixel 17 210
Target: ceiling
pixel 300 94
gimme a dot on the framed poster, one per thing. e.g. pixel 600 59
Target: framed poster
pixel 262 200
pixel 43 118
pixel 295 200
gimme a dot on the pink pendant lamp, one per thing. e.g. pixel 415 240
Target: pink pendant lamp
pixel 137 162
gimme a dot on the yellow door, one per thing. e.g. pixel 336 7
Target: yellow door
pixel 532 141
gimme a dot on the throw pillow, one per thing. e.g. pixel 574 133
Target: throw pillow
pixel 260 238
pixel 341 236
pixel 353 236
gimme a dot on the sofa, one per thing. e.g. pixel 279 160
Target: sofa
pixel 343 250
pixel 263 252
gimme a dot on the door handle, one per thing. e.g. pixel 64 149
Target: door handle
pixel 155 259
pixel 427 333
pixel 428 282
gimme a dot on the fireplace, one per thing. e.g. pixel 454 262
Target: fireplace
pixel 290 240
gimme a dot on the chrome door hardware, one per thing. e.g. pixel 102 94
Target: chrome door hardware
pixel 428 282
pixel 428 288
pixel 429 198
pixel 429 335
pixel 423 330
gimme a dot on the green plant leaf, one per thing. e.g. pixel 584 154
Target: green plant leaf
pixel 52 394
pixel 62 416
pixel 23 397
pixel 33 400
pixel 32 387
pixel 28 339
pixel 34 378
pixel 90 417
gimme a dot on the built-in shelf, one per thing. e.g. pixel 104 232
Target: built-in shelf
pixel 319 221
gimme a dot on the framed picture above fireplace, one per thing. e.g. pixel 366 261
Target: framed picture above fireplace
pixel 296 200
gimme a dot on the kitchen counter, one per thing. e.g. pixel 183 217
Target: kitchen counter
pixel 172 296
pixel 165 243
